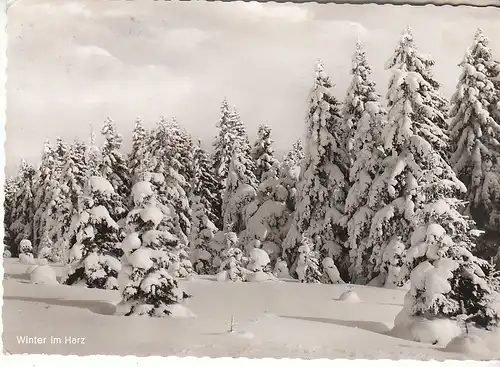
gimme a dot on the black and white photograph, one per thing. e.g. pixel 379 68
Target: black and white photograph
pixel 252 179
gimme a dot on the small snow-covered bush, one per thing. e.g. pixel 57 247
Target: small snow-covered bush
pixel 231 267
pixel 25 247
pixel 281 269
pixel 331 274
pixel 259 265
pixel 43 274
pixel 350 296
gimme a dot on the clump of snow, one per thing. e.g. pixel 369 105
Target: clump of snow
pixel 7 253
pixel 350 296
pixel 43 274
pixel 468 344
pixel 331 271
pixel 100 184
pixel 152 214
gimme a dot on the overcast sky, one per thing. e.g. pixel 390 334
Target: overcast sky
pixel 75 63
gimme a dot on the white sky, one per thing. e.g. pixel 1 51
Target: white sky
pixel 72 63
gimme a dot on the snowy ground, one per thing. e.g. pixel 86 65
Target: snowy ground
pixel 274 319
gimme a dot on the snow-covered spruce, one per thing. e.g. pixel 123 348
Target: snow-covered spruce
pixel 150 249
pixel 407 58
pixel 263 154
pixel 290 171
pixel 414 174
pixel 323 186
pixel 138 155
pixel 231 134
pixel 365 118
pixel 171 189
pixel 239 192
pixel 22 208
pixel 308 265
pixel 232 261
pixel 65 199
pixel 10 188
pixel 95 246
pixel 475 135
pixel 113 165
pixel 447 280
pixel 204 184
pixel 267 218
pixel 202 234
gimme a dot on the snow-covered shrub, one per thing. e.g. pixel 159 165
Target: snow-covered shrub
pixel 308 267
pixel 231 267
pixel 331 274
pixel 350 295
pixel 25 247
pixel 43 274
pixel 181 266
pixel 260 266
pixel 281 269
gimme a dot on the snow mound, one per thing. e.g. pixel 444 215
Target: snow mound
pixel 350 296
pixel 245 335
pixel 43 274
pixel 260 276
pixel 178 311
pixel 468 344
pixel 437 331
pixel 27 259
pixel 7 253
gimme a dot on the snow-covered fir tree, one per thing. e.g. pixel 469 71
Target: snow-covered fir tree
pixel 113 163
pixel 231 134
pixel 10 189
pixel 324 183
pixel 290 171
pixel 202 234
pixel 95 246
pixel 204 184
pixel 146 286
pixel 447 279
pixel 407 58
pixel 23 208
pixel 475 138
pixel 263 153
pixel 414 175
pixel 136 159
pixel 43 182
pixel 171 189
pixel 181 157
pixel 239 191
pixel 45 247
pixel 365 118
pixel 93 155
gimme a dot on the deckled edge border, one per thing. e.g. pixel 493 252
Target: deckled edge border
pixel 29 360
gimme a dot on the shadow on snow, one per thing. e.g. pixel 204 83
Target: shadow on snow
pixel 372 326
pixel 98 307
